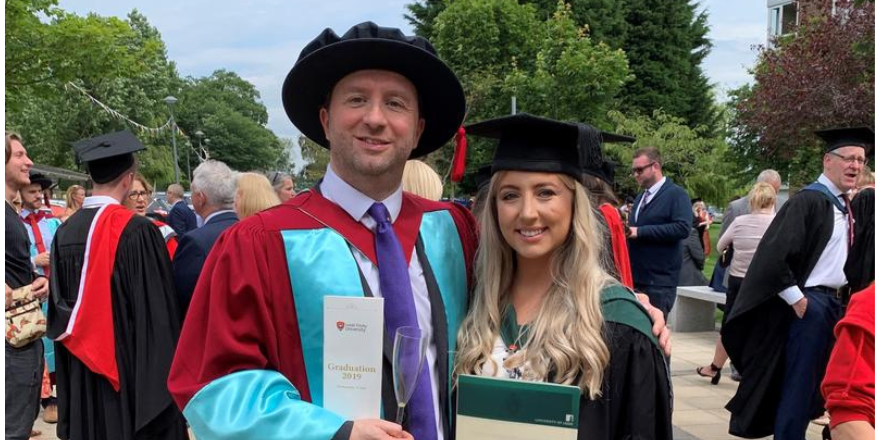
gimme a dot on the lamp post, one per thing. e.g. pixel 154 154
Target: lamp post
pixel 170 101
pixel 207 148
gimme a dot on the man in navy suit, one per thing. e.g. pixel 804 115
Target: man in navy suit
pixel 660 220
pixel 213 192
pixel 180 218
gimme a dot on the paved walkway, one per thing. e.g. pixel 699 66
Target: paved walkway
pixel 699 406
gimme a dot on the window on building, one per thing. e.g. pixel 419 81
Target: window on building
pixel 783 19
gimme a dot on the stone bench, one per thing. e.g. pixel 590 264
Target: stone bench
pixel 694 309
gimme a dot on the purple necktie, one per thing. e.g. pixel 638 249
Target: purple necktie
pixel 400 311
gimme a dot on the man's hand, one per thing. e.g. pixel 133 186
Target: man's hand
pixel 633 232
pixel 663 334
pixel 373 429
pixel 800 307
pixel 40 287
pixel 855 430
pixel 8 296
pixel 42 260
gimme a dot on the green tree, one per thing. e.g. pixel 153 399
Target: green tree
pixel 317 157
pixel 501 49
pixel 122 63
pixel 228 110
pixel 666 42
pixel 691 157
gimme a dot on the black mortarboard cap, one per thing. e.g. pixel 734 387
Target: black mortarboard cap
pixel 108 156
pixel 533 143
pixel 847 137
pixel 483 176
pixel 41 179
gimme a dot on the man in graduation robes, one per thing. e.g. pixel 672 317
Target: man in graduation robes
pixel 113 311
pixel 779 334
pixel 249 363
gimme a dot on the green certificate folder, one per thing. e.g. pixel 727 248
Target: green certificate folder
pixel 494 409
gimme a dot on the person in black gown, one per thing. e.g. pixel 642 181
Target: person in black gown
pixel 544 307
pixel 117 330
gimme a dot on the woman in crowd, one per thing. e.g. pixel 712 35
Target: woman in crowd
pixel 420 179
pixel 282 183
pixel 253 195
pixel 744 234
pixel 545 309
pixel 139 199
pixel 693 259
pixel 74 199
pixel 702 222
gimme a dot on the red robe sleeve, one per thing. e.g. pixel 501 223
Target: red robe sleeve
pixel 241 316
pixel 618 243
pixel 849 380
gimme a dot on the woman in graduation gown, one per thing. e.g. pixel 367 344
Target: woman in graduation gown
pixel 544 308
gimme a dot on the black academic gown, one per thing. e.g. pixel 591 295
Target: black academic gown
pixel 146 323
pixel 636 401
pixel 859 268
pixel 756 331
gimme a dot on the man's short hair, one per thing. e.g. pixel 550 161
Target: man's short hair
pixel 217 182
pixel 175 189
pixel 11 136
pixel 770 177
pixel 651 153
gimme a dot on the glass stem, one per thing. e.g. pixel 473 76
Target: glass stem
pixel 400 407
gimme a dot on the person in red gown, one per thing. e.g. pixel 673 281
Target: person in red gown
pixel 848 387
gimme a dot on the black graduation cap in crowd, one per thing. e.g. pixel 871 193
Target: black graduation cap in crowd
pixel 41 179
pixel 532 143
pixel 483 175
pixel 847 137
pixel 108 156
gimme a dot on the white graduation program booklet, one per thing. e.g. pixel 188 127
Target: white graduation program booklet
pixel 353 336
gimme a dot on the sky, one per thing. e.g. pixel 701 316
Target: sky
pixel 260 40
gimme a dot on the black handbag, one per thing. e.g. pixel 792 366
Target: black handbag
pixel 726 256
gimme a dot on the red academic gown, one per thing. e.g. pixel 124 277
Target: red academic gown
pixel 849 381
pixel 618 243
pixel 244 332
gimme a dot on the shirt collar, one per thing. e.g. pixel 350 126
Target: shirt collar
pixel 24 213
pixel 354 202
pixel 216 213
pixel 99 201
pixel 656 187
pixel 824 180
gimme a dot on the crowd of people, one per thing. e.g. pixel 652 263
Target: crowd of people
pixel 211 317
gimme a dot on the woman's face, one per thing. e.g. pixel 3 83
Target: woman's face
pixel 286 191
pixel 79 196
pixel 534 212
pixel 138 198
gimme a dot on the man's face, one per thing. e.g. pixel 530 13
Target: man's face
pixel 372 123
pixel 843 165
pixel 32 197
pixel 19 166
pixel 645 171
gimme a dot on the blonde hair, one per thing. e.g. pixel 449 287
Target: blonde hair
pixel 566 337
pixel 254 194
pixel 68 197
pixel 143 180
pixel 761 196
pixel 420 179
pixel 697 207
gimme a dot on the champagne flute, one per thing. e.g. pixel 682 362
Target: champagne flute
pixel 410 345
